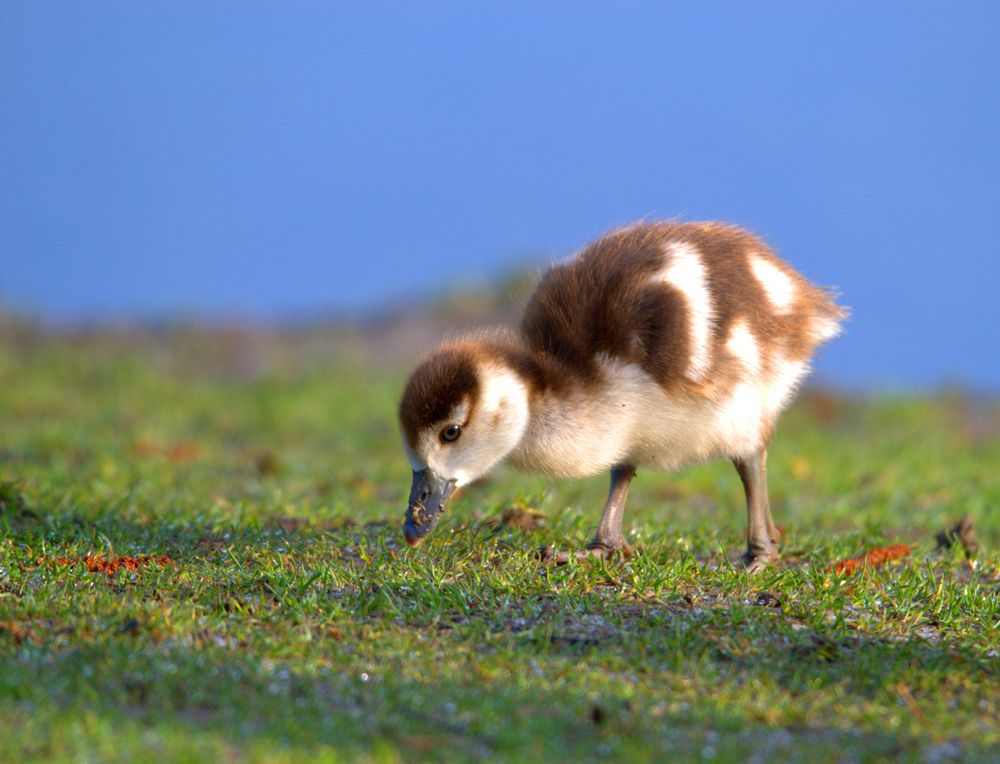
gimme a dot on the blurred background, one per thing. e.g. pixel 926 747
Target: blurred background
pixel 391 171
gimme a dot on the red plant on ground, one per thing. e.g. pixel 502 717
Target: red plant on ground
pixel 100 564
pixel 876 556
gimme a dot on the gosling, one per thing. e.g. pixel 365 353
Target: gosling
pixel 660 345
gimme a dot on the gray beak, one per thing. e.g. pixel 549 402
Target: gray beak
pixel 428 499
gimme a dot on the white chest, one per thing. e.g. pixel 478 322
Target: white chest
pixel 631 419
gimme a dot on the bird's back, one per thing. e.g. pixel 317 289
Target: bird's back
pixel 698 306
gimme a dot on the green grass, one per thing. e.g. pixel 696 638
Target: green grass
pixel 294 624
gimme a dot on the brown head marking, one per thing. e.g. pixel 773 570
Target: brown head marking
pixel 440 383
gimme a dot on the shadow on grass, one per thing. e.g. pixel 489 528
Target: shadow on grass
pixel 218 703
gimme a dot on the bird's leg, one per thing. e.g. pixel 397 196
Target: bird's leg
pixel 762 534
pixel 609 537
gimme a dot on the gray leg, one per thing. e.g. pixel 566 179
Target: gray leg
pixel 609 537
pixel 762 534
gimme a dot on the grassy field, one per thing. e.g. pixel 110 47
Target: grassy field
pixel 271 612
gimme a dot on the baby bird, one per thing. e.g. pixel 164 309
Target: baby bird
pixel 660 345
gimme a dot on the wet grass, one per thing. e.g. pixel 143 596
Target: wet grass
pixel 275 613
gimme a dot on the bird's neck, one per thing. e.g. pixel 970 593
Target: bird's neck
pixel 541 374
pixel 564 414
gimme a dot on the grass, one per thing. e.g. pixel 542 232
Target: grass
pixel 291 623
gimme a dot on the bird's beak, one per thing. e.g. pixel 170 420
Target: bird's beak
pixel 429 497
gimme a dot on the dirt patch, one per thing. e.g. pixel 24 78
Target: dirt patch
pixel 767 599
pixel 267 464
pixel 873 557
pixel 175 453
pixel 963 533
pixel 522 518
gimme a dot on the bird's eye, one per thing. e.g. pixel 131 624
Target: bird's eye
pixel 450 433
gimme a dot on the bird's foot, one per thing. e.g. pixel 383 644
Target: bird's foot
pixel 755 562
pixel 595 551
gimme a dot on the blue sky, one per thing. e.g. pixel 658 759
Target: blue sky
pixel 266 160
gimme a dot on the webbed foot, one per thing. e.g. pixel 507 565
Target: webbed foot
pixel 755 562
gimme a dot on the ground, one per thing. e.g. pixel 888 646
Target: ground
pixel 201 558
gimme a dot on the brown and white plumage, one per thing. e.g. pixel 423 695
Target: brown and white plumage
pixel 659 345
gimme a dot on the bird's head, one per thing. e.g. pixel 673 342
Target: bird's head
pixel 463 410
